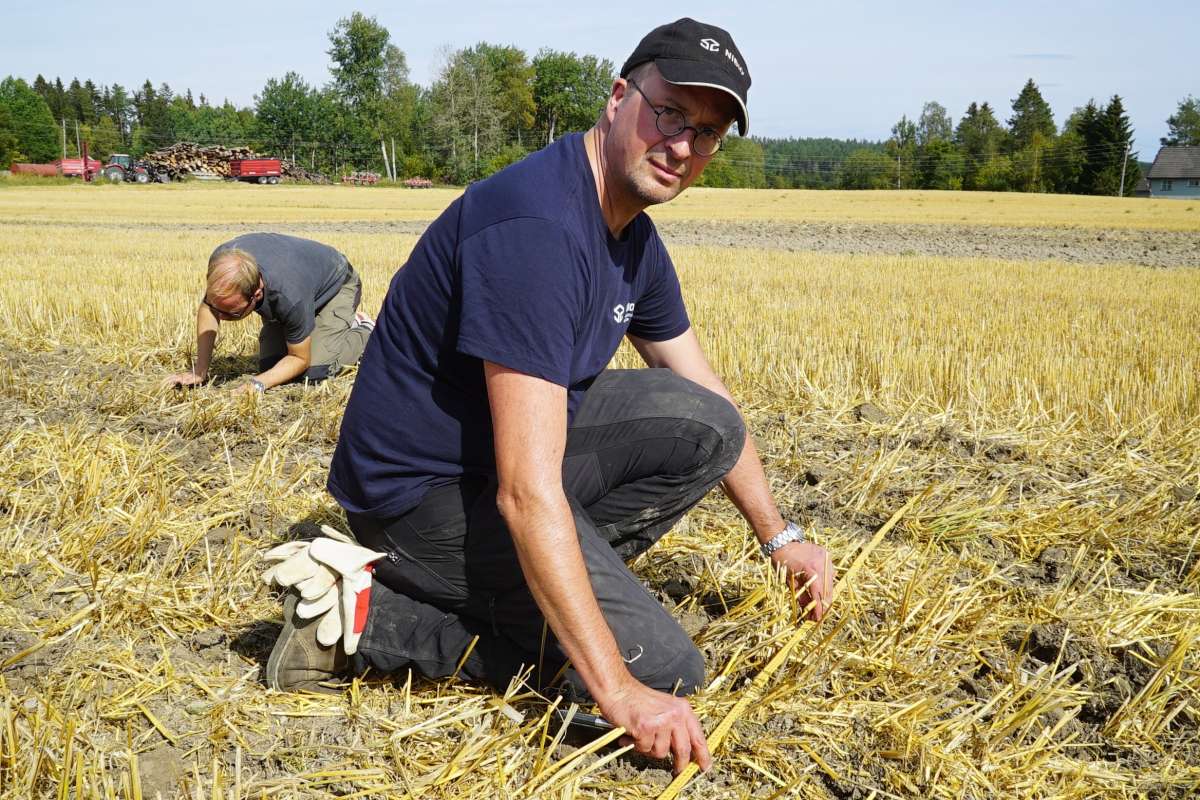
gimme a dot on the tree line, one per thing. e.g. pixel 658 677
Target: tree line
pixel 489 105
pixel 1092 153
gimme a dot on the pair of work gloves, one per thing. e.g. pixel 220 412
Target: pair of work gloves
pixel 332 574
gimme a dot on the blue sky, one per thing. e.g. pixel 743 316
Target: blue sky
pixel 844 69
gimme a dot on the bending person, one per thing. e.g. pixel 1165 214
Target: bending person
pixel 307 294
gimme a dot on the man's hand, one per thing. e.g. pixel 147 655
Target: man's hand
pixel 247 387
pixel 184 379
pixel 808 563
pixel 658 725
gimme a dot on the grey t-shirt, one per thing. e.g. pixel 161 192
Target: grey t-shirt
pixel 300 277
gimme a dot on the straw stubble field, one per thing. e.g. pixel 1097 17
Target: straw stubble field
pixel 1028 627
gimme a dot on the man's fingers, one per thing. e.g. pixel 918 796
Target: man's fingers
pixel 662 743
pixel 699 745
pixel 681 747
pixel 816 592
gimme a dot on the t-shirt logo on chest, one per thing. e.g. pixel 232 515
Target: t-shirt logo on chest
pixel 623 312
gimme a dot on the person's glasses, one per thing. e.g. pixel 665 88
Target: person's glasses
pixel 671 122
pixel 221 313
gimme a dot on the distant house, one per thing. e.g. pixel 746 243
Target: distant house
pixel 1175 172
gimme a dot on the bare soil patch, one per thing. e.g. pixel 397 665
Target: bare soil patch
pixel 1152 248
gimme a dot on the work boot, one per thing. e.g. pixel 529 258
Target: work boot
pixel 298 662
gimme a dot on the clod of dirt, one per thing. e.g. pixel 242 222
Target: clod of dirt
pixel 1054 562
pixel 209 638
pixel 869 412
pixel 1107 699
pixel 1184 493
pixel 220 536
pixel 161 769
pixel 677 588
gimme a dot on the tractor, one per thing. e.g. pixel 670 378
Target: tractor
pixel 122 167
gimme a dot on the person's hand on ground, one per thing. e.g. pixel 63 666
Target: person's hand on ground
pixel 658 724
pixel 246 387
pixel 183 379
pixel 809 563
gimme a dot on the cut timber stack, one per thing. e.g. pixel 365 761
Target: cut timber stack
pixel 296 172
pixel 185 158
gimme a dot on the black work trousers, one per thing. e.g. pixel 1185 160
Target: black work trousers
pixel 644 447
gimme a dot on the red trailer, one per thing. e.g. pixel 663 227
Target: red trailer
pixel 262 170
pixel 74 167
pixel 67 167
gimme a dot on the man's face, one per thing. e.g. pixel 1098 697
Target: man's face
pixel 233 306
pixel 644 163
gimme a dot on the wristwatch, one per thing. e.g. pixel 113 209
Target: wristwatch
pixel 792 533
pixel 258 385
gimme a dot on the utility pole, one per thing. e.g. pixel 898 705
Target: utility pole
pixel 77 149
pixel 64 136
pixel 897 169
pixel 1124 163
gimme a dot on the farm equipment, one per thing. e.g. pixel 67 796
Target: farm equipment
pixel 121 167
pixel 261 170
pixel 361 178
pixel 66 167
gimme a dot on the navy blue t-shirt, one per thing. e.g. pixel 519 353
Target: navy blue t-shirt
pixel 521 271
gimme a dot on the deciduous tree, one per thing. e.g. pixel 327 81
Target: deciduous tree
pixel 1183 127
pixel 37 135
pixel 569 91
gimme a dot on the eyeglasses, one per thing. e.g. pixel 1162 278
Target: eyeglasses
pixel 221 313
pixel 671 122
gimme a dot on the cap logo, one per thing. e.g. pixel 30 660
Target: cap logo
pixel 729 54
pixel 711 45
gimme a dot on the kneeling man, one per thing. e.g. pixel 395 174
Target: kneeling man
pixel 497 474
pixel 307 294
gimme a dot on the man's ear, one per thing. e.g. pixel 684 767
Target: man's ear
pixel 615 95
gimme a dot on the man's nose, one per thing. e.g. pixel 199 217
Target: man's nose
pixel 680 144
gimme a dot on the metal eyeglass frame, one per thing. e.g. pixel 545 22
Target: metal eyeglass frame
pixel 696 132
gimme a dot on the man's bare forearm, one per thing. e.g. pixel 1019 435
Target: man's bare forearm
pixel 543 530
pixel 746 486
pixel 285 369
pixel 206 340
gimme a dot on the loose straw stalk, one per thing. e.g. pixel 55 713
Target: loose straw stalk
pixel 722 730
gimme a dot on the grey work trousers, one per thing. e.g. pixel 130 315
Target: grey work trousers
pixel 644 447
pixel 336 341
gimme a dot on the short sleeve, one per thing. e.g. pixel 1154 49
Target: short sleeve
pixel 298 320
pixel 523 297
pixel 660 312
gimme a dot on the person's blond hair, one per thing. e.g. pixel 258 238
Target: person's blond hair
pixel 232 271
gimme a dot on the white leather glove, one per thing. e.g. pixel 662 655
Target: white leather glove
pixel 333 576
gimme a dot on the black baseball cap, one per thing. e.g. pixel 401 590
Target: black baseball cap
pixel 690 53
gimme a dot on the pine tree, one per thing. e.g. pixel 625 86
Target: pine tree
pixel 1116 134
pixel 1085 122
pixel 1031 116
pixel 979 138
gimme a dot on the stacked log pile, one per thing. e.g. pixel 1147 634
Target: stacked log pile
pixel 294 171
pixel 183 159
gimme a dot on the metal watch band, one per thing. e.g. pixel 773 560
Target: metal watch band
pixel 258 385
pixel 792 533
